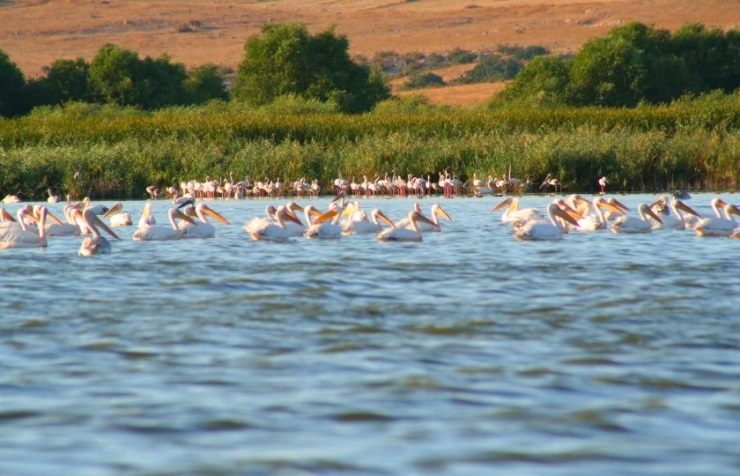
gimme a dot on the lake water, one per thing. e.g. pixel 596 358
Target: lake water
pixel 467 353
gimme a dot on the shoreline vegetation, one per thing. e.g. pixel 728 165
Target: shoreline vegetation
pixel 650 110
pixel 109 152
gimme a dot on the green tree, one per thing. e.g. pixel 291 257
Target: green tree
pixel 204 83
pixel 113 75
pixel 288 60
pixel 543 81
pixel 119 77
pixel 65 81
pixel 424 80
pixel 160 83
pixel 632 63
pixel 13 97
pixel 491 68
pixel 712 57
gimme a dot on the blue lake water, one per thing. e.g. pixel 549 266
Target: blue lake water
pixel 467 353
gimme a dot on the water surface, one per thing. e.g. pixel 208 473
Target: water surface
pixel 467 353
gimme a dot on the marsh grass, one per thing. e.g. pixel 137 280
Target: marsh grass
pixel 692 144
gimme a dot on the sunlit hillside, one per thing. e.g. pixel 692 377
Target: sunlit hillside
pixel 36 32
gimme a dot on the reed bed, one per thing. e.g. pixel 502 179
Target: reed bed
pixel 119 152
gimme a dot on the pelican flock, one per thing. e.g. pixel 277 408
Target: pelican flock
pixel 290 221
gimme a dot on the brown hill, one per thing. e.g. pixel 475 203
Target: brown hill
pixel 36 32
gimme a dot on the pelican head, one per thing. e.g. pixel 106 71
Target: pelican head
pixel 507 202
pixel 439 211
pixel 117 207
pixel 680 205
pixel 603 204
pixel 382 216
pixel 647 211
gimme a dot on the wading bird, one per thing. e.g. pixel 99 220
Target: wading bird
pixel 97 243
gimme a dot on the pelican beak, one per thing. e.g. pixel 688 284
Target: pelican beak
pixel 682 206
pixel 54 219
pixel 503 204
pixel 293 206
pixel 439 211
pixel 326 216
pixel 385 218
pixel 190 211
pixel 611 208
pixel 114 209
pixel 579 200
pixel 567 209
pixel 424 219
pixel 339 196
pixel 348 211
pixel 184 217
pixel 290 216
pixel 216 216
pixel 101 224
pixel 566 216
pixel 619 204
pixel 653 215
pixel 6 216
pixel 32 217
pixel 733 209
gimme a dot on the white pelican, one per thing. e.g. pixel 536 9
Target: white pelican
pixel 59 228
pixel 274 230
pixel 405 234
pixel 21 236
pixel 615 203
pixel 117 217
pixel 632 224
pixel 97 209
pixel 95 244
pixel 148 232
pixel 719 225
pixel 147 219
pixel 598 221
pixel 675 221
pixel 359 224
pixel 323 228
pixel 259 222
pixel 514 215
pixel 12 199
pixel 546 230
pixel 295 227
pixel 437 211
pixel 202 229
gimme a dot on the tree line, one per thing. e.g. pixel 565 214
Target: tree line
pixel 284 60
pixel 632 64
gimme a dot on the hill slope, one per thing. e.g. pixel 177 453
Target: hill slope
pixel 36 32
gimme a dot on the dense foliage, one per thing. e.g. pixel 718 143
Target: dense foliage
pixel 286 59
pixel 120 151
pixel 12 88
pixel 633 64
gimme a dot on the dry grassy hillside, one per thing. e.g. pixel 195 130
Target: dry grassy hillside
pixel 36 32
